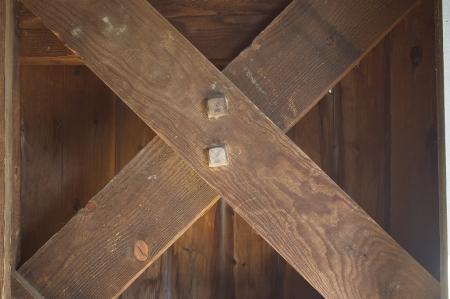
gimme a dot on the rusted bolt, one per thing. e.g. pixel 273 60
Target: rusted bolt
pixel 217 107
pixel 218 156
pixel 140 251
pixel 89 208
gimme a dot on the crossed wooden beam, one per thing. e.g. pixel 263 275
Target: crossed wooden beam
pixel 269 181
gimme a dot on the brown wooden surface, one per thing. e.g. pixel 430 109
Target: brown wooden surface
pixel 42 47
pixel 191 149
pixel 414 177
pixel 9 144
pixel 362 130
pixel 314 134
pixel 443 229
pixel 21 289
pixel 132 134
pixel 15 224
pixel 88 138
pixel 42 92
pixel 220 29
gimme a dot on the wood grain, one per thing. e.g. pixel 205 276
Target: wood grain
pixel 41 96
pixel 362 131
pixel 21 289
pixel 42 47
pixel 132 134
pixel 9 121
pixel 15 160
pixel 443 229
pixel 143 206
pixel 220 29
pixel 285 212
pixel 414 176
pixel 88 138
pixel 251 265
pixel 195 259
pixel 314 134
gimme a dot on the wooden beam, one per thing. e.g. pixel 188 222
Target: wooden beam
pixel 219 29
pixel 443 113
pixel 21 289
pixel 290 201
pixel 9 142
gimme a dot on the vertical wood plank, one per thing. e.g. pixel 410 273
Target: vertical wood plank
pixel 414 204
pixel 443 112
pixel 41 96
pixel 9 115
pixel 132 134
pixel 195 259
pixel 15 225
pixel 88 140
pixel 21 289
pixel 314 135
pixel 250 263
pixel 362 129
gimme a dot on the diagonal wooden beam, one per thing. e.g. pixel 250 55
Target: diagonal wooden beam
pixel 21 289
pixel 9 142
pixel 289 201
pixel 219 29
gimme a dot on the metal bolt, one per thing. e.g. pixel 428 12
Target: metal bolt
pixel 217 107
pixel 218 156
pixel 89 208
pixel 140 251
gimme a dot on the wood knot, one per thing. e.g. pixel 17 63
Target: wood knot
pixel 331 41
pixel 416 55
pixel 140 251
pixel 89 208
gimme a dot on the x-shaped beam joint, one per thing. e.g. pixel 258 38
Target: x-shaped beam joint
pixel 269 181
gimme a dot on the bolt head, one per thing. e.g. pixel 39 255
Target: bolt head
pixel 140 251
pixel 217 107
pixel 218 156
pixel 89 208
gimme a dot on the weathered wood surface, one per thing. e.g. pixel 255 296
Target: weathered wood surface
pixel 21 289
pixel 15 79
pixel 9 144
pixel 362 127
pixel 219 29
pixel 132 134
pixel 192 150
pixel 441 93
pixel 414 176
pixel 41 91
pixel 88 115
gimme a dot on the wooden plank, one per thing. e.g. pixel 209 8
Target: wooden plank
pixel 88 138
pixel 314 134
pixel 251 265
pixel 415 205
pixel 21 289
pixel 145 206
pixel 362 127
pixel 9 111
pixel 443 113
pixel 42 93
pixel 352 236
pixel 196 258
pixel 15 160
pixel 132 134
pixel 42 47
pixel 219 29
